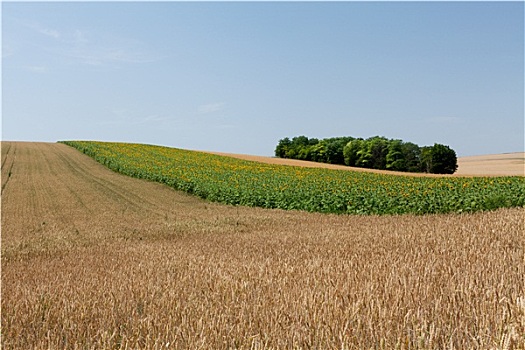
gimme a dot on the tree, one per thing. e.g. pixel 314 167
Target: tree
pixel 319 152
pixel 335 149
pixel 377 149
pixel 305 153
pixel 376 152
pixel 351 150
pixel 282 147
pixel 302 147
pixel 395 159
pixel 412 155
pixel 444 160
pixel 426 159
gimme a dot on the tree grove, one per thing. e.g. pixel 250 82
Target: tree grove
pixel 375 152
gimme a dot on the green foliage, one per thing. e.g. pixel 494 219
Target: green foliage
pixel 283 147
pixel 426 159
pixel 376 152
pixel 444 160
pixel 328 150
pixel 238 182
pixel 395 159
pixel 334 149
pixel 411 155
pixel 351 152
pixel 318 152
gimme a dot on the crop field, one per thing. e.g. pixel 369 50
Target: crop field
pixel 92 259
pixel 505 164
pixel 235 181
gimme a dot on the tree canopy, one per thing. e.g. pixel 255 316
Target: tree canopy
pixel 375 152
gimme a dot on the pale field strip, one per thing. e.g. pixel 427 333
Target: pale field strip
pixel 95 260
pixel 493 164
pixel 507 164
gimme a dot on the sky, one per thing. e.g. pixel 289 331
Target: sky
pixel 239 76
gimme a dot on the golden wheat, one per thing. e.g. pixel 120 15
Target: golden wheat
pixel 94 260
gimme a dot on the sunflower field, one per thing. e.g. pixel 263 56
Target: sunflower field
pixel 240 182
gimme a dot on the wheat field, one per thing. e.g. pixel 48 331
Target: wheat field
pixel 95 260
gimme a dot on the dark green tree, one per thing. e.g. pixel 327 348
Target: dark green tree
pixel 412 155
pixel 282 147
pixel 376 152
pixel 444 159
pixel 377 149
pixel 300 141
pixel 303 147
pixel 335 149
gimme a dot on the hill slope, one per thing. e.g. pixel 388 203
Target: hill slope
pixel 508 164
pixel 493 164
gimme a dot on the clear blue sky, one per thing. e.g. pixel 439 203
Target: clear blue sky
pixel 237 77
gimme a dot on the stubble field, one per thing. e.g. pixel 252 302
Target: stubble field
pixel 96 260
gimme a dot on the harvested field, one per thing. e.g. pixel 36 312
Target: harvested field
pixel 508 164
pixel 493 164
pixel 92 259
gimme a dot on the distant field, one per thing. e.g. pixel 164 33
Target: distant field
pixel 95 260
pixel 508 164
pixel 493 164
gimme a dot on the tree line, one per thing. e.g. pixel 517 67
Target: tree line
pixel 376 152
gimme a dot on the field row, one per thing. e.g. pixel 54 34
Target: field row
pixel 239 182
pixel 95 260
